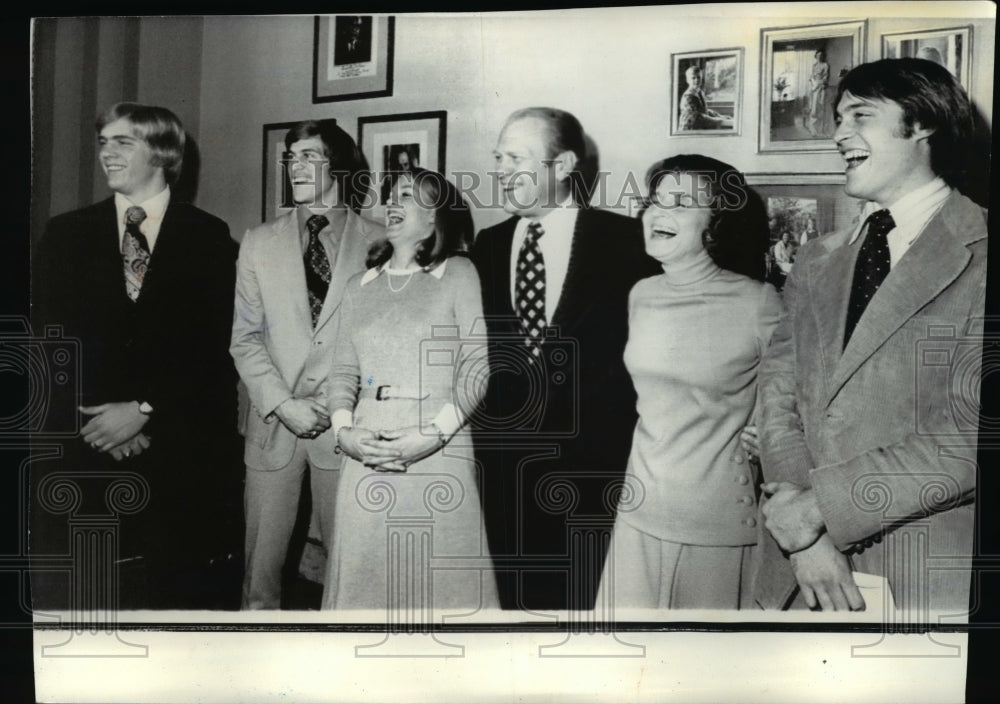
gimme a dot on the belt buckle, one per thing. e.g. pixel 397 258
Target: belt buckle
pixel 382 393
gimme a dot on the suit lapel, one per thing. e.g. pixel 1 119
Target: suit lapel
pixel 935 260
pixel 572 300
pixel 345 242
pixel 284 260
pixel 108 249
pixel 168 248
pixel 498 286
pixel 829 289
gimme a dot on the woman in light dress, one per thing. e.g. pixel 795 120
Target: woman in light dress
pixel 408 530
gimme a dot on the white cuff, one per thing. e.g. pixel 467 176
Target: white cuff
pixel 448 420
pixel 342 418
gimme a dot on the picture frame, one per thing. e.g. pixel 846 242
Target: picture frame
pixel 800 69
pixel 276 192
pixel 950 47
pixel 806 205
pixel 352 57
pixel 715 107
pixel 403 141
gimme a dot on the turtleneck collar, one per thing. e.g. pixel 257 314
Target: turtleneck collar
pixel 690 270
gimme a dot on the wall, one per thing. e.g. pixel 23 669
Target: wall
pixel 228 76
pixel 83 65
pixel 610 67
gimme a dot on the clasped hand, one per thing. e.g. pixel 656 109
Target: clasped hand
pixel 389 450
pixel 792 515
pixel 112 424
pixel 116 428
pixel 306 417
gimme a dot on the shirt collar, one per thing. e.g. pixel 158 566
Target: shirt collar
pixel 373 273
pixel 302 213
pixel 913 209
pixel 564 213
pixel 155 207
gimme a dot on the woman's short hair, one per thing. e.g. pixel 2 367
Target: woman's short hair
pixel 158 127
pixel 453 228
pixel 737 236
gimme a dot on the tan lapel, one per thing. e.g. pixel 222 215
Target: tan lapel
pixel 351 245
pixel 935 260
pixel 284 260
pixel 828 289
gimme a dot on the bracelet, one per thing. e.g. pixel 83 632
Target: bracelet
pixel 440 433
pixel 339 447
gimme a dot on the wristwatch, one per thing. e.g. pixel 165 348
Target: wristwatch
pixel 144 408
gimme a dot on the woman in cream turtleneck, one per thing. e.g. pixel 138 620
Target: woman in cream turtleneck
pixel 687 518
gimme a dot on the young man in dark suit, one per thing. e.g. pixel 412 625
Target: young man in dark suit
pixel 145 283
pixel 554 435
pixel 870 390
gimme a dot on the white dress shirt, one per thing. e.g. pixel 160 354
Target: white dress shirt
pixel 911 213
pixel 155 208
pixel 556 243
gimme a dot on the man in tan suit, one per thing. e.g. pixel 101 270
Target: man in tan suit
pixel 291 274
pixel 869 393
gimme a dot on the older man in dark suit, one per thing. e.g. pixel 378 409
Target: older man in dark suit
pixel 560 408
pixel 145 283
pixel 869 393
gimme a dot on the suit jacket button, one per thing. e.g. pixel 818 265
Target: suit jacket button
pixel 743 479
pixel 751 522
pixel 746 500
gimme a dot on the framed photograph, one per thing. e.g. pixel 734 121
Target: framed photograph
pixel 800 70
pixel 706 94
pixel 402 142
pixel 276 188
pixel 352 57
pixel 952 48
pixel 801 207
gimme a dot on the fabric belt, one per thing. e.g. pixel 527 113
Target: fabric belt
pixel 393 391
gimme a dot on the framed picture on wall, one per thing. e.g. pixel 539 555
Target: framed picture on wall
pixel 706 92
pixel 800 70
pixel 276 188
pixel 801 207
pixel 352 57
pixel 952 48
pixel 402 142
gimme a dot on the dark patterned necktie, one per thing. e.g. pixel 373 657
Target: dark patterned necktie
pixel 317 266
pixel 135 252
pixel 871 268
pixel 529 288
